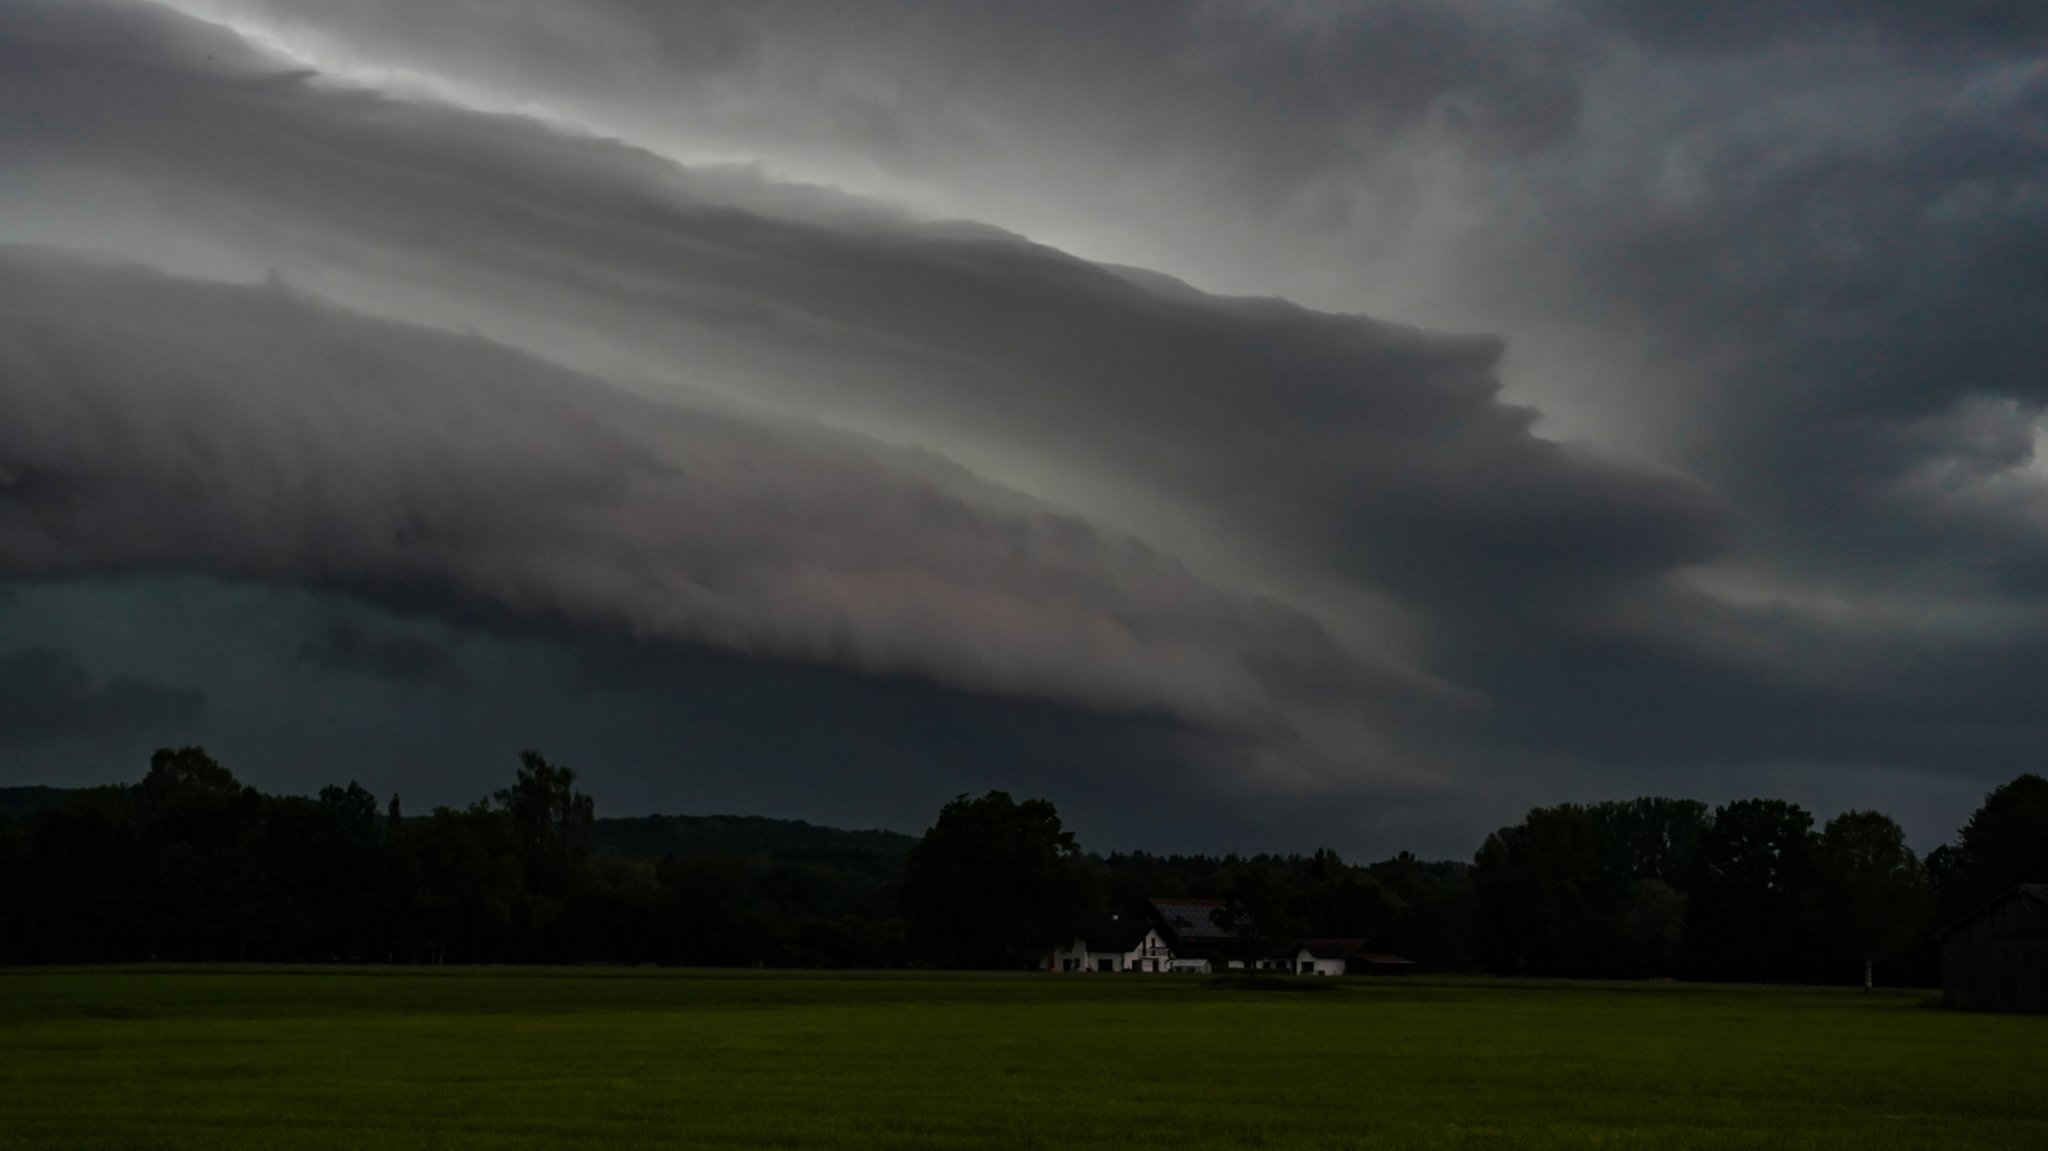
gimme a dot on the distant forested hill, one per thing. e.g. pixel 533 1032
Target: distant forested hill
pixel 19 801
pixel 190 864
pixel 656 836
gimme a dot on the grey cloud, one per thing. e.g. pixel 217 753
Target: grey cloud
pixel 1846 279
pixel 48 696
pixel 2014 26
pixel 1817 243
pixel 1852 205
pixel 1257 137
pixel 406 660
pixel 925 82
pixel 1310 440
pixel 657 726
pixel 248 434
pixel 1303 147
pixel 1307 450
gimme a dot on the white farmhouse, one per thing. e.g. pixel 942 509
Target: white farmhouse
pixel 1118 945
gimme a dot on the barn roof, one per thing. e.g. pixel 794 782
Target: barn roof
pixel 2036 890
pixel 1333 948
pixel 1192 919
pixel 1347 949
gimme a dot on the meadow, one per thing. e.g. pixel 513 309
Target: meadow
pixel 644 1058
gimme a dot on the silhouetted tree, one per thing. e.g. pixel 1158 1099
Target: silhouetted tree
pixel 13 890
pixel 993 884
pixel 207 890
pixel 1549 893
pixel 1869 895
pixel 1260 909
pixel 1593 890
pixel 1746 908
pixel 1652 928
pixel 1343 902
pixel 618 913
pixel 2005 842
pixel 187 776
pixel 711 901
pixel 1435 917
pixel 464 878
pixel 550 819
pixel 189 863
pixel 1653 837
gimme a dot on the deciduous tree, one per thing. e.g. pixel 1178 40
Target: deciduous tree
pixel 550 820
pixel 2005 842
pixel 1746 907
pixel 1869 895
pixel 993 884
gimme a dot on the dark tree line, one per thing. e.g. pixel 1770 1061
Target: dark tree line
pixel 1646 888
pixel 191 865
pixel 1419 909
pixel 1752 890
pixel 996 883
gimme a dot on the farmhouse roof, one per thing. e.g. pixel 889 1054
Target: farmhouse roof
pixel 1116 934
pixel 1345 949
pixel 2036 890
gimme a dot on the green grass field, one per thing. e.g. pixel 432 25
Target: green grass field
pixel 518 1058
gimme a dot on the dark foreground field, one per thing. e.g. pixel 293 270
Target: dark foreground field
pixel 627 1059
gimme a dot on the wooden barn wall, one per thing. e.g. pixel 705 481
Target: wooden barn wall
pixel 1998 961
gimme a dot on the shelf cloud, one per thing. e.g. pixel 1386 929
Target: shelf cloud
pixel 1032 360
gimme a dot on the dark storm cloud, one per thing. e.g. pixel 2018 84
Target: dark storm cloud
pixel 1790 250
pixel 1288 146
pixel 2001 26
pixel 407 660
pixel 1378 451
pixel 1849 281
pixel 47 696
pixel 247 434
pixel 650 726
pixel 938 83
pixel 1840 200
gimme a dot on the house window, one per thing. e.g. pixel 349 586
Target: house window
pixel 1105 965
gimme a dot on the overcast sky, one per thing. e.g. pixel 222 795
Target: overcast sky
pixel 1251 424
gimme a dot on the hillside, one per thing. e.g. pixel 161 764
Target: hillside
pixel 655 835
pixel 744 835
pixel 19 801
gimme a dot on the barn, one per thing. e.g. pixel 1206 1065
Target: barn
pixel 1334 957
pixel 1996 957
